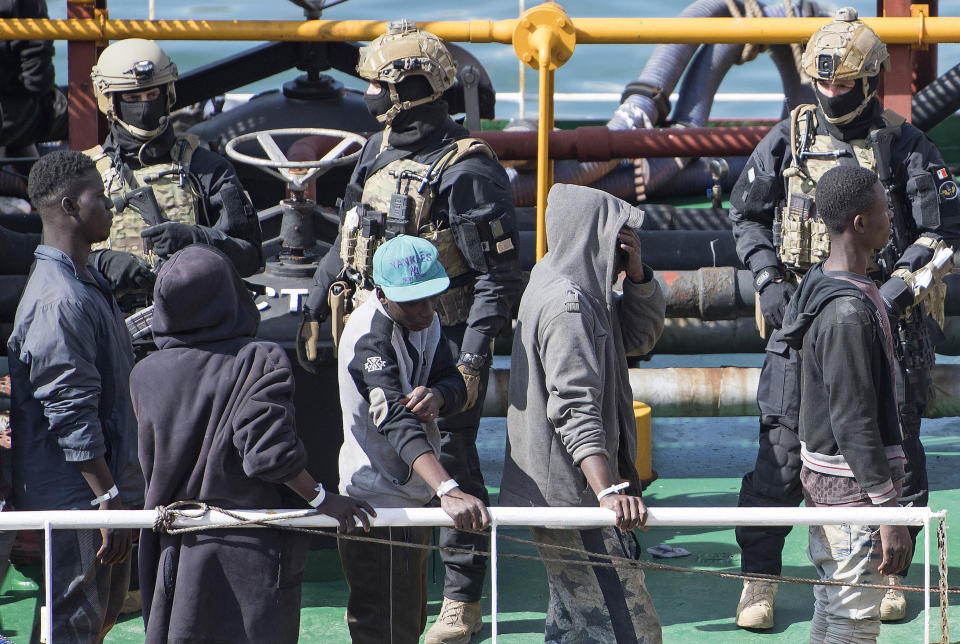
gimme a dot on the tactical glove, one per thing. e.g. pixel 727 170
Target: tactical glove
pixel 897 297
pixel 774 297
pixel 167 238
pixel 310 354
pixel 470 366
pixel 124 271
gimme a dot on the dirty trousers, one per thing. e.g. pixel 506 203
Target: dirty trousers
pixel 595 603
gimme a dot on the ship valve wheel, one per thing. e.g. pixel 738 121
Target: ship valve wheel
pixel 298 242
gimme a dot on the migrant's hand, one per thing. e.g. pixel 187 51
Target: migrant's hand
pixel 629 242
pixel 167 238
pixel 630 510
pixel 347 511
pixel 467 511
pixel 897 549
pixel 116 542
pixel 774 298
pixel 5 442
pixel 424 402
pixel 5 385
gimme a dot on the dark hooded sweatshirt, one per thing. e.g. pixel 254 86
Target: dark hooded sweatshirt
pixel 849 424
pixel 216 424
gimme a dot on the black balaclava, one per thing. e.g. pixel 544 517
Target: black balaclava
pixel 413 125
pixel 145 115
pixel 837 107
pixel 156 150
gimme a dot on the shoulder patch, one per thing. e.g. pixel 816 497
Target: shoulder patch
pixel 948 190
pixel 571 302
pixel 374 363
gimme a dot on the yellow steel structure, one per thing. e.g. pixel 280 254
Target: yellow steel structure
pixel 916 30
pixel 543 37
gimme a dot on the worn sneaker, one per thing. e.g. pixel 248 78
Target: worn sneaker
pixel 893 606
pixel 457 622
pixel 755 609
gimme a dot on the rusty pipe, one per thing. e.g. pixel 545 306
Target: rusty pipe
pixel 601 144
pixel 715 391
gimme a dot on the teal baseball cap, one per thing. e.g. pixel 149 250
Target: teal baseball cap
pixel 406 268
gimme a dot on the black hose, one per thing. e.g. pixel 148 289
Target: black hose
pixel 937 101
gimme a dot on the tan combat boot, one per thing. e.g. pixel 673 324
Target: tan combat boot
pixel 893 606
pixel 755 609
pixel 457 622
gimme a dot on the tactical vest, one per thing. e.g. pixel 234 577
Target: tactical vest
pixel 416 181
pixel 804 240
pixel 172 186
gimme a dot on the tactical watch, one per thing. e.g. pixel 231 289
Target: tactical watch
pixel 765 276
pixel 473 360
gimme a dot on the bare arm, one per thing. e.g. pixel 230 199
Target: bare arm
pixel 630 510
pixel 116 544
pixel 466 510
pixel 342 508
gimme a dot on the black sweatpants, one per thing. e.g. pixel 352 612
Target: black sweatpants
pixel 465 573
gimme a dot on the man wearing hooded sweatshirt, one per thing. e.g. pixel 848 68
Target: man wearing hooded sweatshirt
pixel 850 435
pixel 432 180
pixel 198 196
pixel 779 236
pixel 571 432
pixel 216 424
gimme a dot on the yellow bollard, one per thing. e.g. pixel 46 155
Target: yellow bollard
pixel 644 462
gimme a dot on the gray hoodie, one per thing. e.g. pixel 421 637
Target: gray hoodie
pixel 570 393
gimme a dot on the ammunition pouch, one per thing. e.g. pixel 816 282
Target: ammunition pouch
pixel 486 237
pixel 453 305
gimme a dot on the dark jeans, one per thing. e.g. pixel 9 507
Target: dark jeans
pixel 87 595
pixel 388 586
pixel 458 455
pixel 775 479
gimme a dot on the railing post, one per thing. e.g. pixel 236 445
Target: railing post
pixel 48 581
pixel 544 39
pixel 494 598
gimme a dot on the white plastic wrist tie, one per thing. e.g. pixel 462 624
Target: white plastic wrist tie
pixel 321 496
pixel 446 487
pixel 112 493
pixel 613 489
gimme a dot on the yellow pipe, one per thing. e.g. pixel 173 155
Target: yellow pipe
pixel 913 30
pixel 544 163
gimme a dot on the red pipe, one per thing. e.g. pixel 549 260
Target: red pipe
pixel 601 144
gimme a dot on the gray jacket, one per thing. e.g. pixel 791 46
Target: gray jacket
pixel 570 393
pixel 70 361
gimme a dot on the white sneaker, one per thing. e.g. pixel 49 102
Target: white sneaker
pixel 893 606
pixel 755 609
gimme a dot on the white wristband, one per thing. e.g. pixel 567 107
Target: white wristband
pixel 112 493
pixel 613 489
pixel 446 486
pixel 321 496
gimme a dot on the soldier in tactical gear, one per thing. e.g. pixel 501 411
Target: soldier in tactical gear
pixel 192 195
pixel 424 176
pixel 779 236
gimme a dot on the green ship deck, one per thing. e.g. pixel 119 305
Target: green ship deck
pixel 700 462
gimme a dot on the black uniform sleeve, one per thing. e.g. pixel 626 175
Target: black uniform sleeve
pixel 35 56
pixel 445 377
pixel 755 197
pixel 930 190
pixel 230 221
pixel 375 372
pixel 475 199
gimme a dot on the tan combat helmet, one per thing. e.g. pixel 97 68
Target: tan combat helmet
pixel 130 65
pixel 402 52
pixel 846 49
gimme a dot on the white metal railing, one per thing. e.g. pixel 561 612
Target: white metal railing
pixel 500 516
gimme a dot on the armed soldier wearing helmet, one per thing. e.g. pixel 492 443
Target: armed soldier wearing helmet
pixel 779 236
pixel 424 176
pixel 198 195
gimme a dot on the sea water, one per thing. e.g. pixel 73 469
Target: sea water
pixel 593 68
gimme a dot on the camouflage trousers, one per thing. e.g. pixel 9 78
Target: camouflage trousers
pixel 595 603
